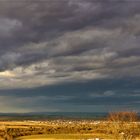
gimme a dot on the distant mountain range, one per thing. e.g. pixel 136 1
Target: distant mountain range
pixel 54 115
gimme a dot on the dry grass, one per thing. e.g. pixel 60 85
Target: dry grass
pixel 56 129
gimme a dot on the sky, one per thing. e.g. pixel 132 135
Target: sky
pixel 69 55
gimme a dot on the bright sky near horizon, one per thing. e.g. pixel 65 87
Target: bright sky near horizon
pixel 69 55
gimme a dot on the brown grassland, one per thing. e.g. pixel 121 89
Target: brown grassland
pixel 120 125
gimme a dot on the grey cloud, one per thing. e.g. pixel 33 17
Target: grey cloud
pixel 84 95
pixel 8 26
pixel 69 55
pixel 47 20
pixel 9 60
pixel 90 40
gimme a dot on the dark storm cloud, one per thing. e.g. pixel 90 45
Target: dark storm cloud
pixel 70 52
pixel 109 92
pixel 93 89
pixel 39 21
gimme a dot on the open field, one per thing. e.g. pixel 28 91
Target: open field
pixel 63 136
pixel 118 126
pixel 60 129
pixel 68 137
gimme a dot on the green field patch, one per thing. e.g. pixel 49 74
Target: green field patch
pixel 63 136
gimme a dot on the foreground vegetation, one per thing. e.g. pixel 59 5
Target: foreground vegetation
pixel 64 136
pixel 120 125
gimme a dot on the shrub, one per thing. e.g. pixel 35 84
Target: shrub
pixel 123 125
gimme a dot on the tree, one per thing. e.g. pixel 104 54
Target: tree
pixel 123 125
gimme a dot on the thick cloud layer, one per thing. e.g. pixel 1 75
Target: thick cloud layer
pixel 51 43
